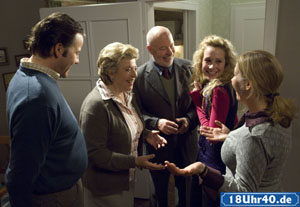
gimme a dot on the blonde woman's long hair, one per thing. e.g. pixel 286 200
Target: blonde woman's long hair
pixel 230 61
pixel 265 74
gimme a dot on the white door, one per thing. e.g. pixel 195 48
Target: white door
pixel 247 26
pixel 103 24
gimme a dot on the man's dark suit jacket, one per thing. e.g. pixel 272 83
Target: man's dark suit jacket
pixel 154 104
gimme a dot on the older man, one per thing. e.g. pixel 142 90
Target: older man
pixel 162 90
pixel 48 152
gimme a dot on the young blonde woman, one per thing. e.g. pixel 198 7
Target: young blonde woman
pixel 256 153
pixel 214 97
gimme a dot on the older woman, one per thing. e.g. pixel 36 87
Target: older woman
pixel 114 130
pixel 254 154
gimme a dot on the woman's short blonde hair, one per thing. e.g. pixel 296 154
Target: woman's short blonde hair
pixel 265 73
pixel 110 57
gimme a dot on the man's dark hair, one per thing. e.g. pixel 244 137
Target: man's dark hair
pixel 56 28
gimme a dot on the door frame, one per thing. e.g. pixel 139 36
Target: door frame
pixel 271 21
pixel 190 22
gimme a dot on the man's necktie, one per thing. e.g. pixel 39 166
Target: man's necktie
pixel 166 74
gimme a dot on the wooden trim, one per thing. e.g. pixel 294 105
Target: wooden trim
pixel 4 139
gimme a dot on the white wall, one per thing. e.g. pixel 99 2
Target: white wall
pixel 221 11
pixel 288 53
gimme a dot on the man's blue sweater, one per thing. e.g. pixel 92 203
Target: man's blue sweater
pixel 48 151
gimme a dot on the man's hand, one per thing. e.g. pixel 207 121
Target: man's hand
pixel 155 140
pixel 183 125
pixel 167 127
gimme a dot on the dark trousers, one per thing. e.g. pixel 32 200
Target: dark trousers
pixel 161 182
pixel 72 197
pixel 196 192
pixel 202 196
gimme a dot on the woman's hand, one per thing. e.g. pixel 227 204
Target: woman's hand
pixel 197 86
pixel 195 168
pixel 215 134
pixel 154 139
pixel 143 162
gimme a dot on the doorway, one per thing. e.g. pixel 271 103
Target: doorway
pixel 173 20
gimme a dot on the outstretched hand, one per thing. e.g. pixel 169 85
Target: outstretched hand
pixel 195 168
pixel 154 139
pixel 213 134
pixel 143 162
